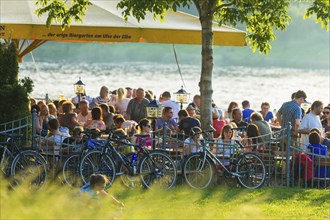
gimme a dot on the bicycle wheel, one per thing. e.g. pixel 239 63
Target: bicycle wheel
pixel 98 163
pixel 157 169
pixel 5 161
pixel 70 170
pixel 197 171
pixel 251 170
pixel 126 177
pixel 29 166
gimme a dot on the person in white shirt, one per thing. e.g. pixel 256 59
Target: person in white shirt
pixel 166 101
pixel 310 121
pixel 122 102
pixel 84 114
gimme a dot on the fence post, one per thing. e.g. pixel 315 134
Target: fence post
pixel 47 98
pixel 288 144
pixel 164 136
pixel 34 127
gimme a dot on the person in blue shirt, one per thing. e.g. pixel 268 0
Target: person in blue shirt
pixel 246 111
pixel 317 148
pixel 167 118
pixel 266 114
pixel 95 188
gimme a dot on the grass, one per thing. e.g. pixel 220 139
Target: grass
pixel 60 202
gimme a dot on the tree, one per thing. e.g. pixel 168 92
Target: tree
pixel 13 92
pixel 261 18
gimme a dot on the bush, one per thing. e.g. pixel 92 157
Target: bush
pixel 14 102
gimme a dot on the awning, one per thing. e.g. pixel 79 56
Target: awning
pixel 104 23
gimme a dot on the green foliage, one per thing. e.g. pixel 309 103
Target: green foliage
pixel 260 17
pixel 8 64
pixel 13 93
pixel 59 13
pixel 320 8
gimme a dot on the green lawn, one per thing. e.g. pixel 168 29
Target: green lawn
pixel 55 202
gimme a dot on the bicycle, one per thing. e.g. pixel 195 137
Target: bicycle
pixel 70 168
pixel 22 163
pixel 154 168
pixel 248 168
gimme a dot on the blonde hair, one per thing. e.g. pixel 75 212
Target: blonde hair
pixel 120 93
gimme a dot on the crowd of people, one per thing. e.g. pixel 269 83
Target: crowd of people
pixel 124 110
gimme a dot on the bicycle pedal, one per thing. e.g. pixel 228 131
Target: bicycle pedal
pixel 119 173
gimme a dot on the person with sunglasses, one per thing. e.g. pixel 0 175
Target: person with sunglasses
pixel 326 121
pixel 310 121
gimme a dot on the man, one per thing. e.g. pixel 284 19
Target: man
pixel 166 101
pixel 310 121
pixel 196 105
pixel 263 126
pixel 107 116
pixel 266 114
pixel 246 111
pixel 291 112
pixel 167 118
pixel 237 119
pixel 186 122
pixel 129 92
pixel 84 113
pixel 136 106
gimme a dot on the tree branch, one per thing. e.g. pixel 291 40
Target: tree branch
pixel 223 5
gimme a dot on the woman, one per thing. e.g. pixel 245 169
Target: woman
pixel 231 106
pixel 194 142
pixel 96 122
pixel 45 117
pixel 122 102
pixel 52 109
pixel 144 128
pixel 326 121
pixel 217 124
pixel 104 96
pixel 224 148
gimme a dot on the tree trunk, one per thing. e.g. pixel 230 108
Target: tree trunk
pixel 205 83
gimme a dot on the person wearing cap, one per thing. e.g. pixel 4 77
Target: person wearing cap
pixel 290 112
pixel 186 123
pixel 196 104
pixel 310 121
pixel 191 111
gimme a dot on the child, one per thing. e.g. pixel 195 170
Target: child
pixel 95 188
pixel 194 141
pixel 225 148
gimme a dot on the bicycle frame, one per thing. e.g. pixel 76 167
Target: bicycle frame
pixel 206 152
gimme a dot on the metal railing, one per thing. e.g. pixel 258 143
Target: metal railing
pixel 287 164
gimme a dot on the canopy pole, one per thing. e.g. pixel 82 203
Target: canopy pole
pixel 28 49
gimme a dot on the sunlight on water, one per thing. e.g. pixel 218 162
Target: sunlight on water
pixel 274 85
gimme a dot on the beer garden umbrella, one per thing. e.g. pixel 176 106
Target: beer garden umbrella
pixel 105 23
